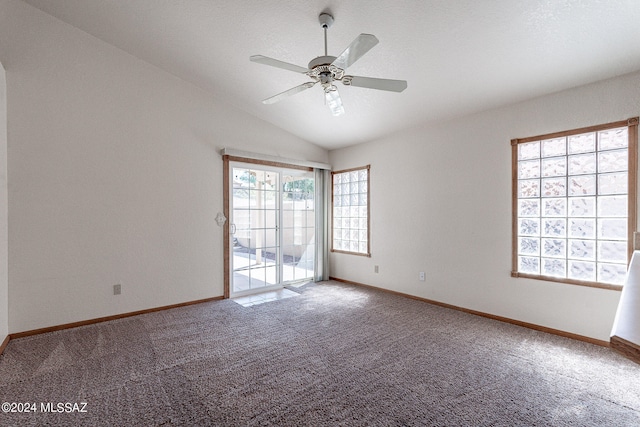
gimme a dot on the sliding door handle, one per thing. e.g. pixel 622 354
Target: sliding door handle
pixel 232 228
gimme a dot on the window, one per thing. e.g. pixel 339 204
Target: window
pixel 350 204
pixel 574 204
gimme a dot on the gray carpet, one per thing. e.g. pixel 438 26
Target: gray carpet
pixel 336 355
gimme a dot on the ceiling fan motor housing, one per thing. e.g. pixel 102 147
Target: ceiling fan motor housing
pixel 321 60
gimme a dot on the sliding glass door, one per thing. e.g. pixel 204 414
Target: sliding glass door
pixel 298 225
pixel 255 229
pixel 272 227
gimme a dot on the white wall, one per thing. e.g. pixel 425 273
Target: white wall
pixel 4 283
pixel 115 175
pixel 441 203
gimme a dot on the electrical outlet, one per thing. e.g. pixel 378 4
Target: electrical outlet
pixel 117 289
pixel 422 276
pixel 375 269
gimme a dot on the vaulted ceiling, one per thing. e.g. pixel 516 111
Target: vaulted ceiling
pixel 458 56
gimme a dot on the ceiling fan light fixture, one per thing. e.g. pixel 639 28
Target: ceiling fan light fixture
pixel 332 98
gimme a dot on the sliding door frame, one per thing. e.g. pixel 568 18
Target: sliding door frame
pixel 227 159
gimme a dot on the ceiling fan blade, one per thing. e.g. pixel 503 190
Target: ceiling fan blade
pixel 333 100
pixel 287 93
pixel 361 45
pixel 278 64
pixel 373 83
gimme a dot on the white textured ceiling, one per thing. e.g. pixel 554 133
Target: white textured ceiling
pixel 458 56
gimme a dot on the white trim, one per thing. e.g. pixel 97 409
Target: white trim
pixel 265 157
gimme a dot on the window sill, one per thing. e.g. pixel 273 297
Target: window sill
pixel 350 253
pixel 568 281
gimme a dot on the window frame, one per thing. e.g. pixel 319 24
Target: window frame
pixel 632 129
pixel 333 174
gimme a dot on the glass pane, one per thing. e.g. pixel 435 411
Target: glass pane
pixel 581 270
pixel 270 238
pixel 555 227
pixel 554 267
pixel 582 228
pixel 258 279
pixel 554 147
pixel 259 175
pixel 529 207
pixel 613 183
pixel 582 143
pixel 582 206
pixel 612 206
pixel 556 166
pixel 553 187
pixel 613 138
pixel 555 207
pixel 582 164
pixel 582 249
pixel 271 275
pixel 582 185
pixel 613 161
pixel 529 188
pixel 529 227
pixel 554 248
pixel 612 229
pixel 529 265
pixel 529 169
pixel 529 150
pixel 612 251
pixel 612 273
pixel 529 246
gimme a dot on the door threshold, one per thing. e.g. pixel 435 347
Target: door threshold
pixel 261 298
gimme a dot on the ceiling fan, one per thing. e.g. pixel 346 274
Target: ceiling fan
pixel 326 70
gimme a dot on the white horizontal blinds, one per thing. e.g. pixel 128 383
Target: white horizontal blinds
pixel 572 206
pixel 350 231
